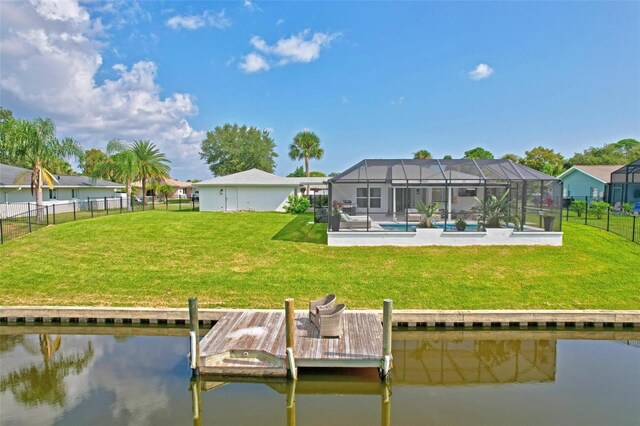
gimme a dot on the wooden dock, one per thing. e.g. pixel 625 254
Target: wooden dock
pixel 251 343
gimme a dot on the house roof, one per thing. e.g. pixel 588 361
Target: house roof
pixel 403 171
pixel 601 173
pixel 168 181
pixel 10 174
pixel 256 177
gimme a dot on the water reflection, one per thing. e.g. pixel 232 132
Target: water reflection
pixel 464 362
pixel 43 383
pixel 113 376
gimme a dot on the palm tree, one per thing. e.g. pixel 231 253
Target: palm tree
pixel 422 154
pixel 36 146
pixel 123 164
pixel 305 145
pixel 151 163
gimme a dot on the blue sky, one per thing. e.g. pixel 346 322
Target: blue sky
pixel 372 79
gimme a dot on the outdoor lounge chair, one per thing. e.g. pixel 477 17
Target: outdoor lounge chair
pixel 326 301
pixel 330 320
pixel 413 215
pixel 355 221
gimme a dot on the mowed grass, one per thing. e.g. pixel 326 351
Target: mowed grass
pixel 256 260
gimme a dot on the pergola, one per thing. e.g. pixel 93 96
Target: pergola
pixel 626 178
pixel 527 187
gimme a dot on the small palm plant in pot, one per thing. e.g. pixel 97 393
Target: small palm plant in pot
pixel 336 210
pixel 548 217
pixel 426 211
pixel 495 211
pixel 461 224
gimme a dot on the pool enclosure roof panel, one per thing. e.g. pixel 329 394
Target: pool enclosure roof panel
pixel 627 174
pixel 402 172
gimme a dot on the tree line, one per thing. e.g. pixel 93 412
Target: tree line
pixel 553 163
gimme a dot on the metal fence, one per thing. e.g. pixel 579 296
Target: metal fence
pixel 33 218
pixel 594 212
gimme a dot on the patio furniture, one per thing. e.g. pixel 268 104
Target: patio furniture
pixel 326 301
pixel 413 215
pixel 355 221
pixel 330 321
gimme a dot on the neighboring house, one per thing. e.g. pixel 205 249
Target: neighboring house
pixel 66 187
pixel 181 189
pixel 587 181
pixel 254 190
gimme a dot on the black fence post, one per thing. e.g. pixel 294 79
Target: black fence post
pixel 193 203
pixel 633 231
pixel 153 202
pixel 179 203
pixel 120 204
pixel 608 217
pixel 54 213
pixel 29 216
pixel 47 211
pixel 106 206
pixel 1 233
pixel 74 211
pixel 91 207
pixel 568 205
pixel 586 208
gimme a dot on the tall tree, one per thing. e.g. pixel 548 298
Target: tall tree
pixel 152 164
pixel 298 172
pixel 305 145
pixel 232 149
pixel 621 152
pixel 92 160
pixel 447 157
pixel 512 157
pixel 478 154
pixel 422 154
pixel 544 159
pixel 121 165
pixel 36 147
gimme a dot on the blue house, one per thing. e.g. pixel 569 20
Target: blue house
pixel 587 181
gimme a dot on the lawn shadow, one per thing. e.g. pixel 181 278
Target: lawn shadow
pixel 300 230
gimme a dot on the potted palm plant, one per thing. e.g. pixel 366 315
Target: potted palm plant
pixel 548 218
pixel 461 224
pixel 426 211
pixel 334 219
pixel 496 210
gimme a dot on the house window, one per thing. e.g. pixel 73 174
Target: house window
pixel 53 194
pixel 74 193
pixel 375 198
pixel 594 192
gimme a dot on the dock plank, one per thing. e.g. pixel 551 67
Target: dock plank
pixel 264 332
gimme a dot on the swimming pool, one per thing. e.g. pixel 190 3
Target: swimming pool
pixel 402 227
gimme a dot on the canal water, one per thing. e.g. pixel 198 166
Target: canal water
pixel 57 375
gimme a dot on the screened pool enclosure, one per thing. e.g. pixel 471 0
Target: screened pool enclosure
pixel 453 195
pixel 625 184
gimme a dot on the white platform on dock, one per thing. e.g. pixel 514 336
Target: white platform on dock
pixel 253 344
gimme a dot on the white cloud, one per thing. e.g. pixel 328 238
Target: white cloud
pixel 297 48
pixel 251 6
pixel 481 72
pixel 49 69
pixel 301 47
pixel 60 10
pixel 253 62
pixel 193 22
pixel 279 22
pixel 398 101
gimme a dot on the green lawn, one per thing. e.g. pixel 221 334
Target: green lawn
pixel 160 258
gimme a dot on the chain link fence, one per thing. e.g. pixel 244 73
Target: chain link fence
pixel 32 218
pixel 621 219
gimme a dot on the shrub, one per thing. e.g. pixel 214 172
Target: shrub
pixel 296 204
pixel 578 206
pixel 598 208
pixel 627 207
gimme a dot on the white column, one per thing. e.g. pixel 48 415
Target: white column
pixel 393 206
pixel 449 204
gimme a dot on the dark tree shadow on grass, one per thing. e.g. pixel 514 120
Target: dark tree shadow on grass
pixel 299 230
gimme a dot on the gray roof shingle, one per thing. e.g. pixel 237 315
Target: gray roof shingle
pixel 9 174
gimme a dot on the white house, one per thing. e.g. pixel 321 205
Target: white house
pixel 67 187
pixel 253 190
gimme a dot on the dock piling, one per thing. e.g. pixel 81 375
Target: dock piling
pixel 195 336
pixel 290 337
pixel 386 337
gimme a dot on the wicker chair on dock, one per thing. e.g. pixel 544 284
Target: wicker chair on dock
pixel 330 320
pixel 325 302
